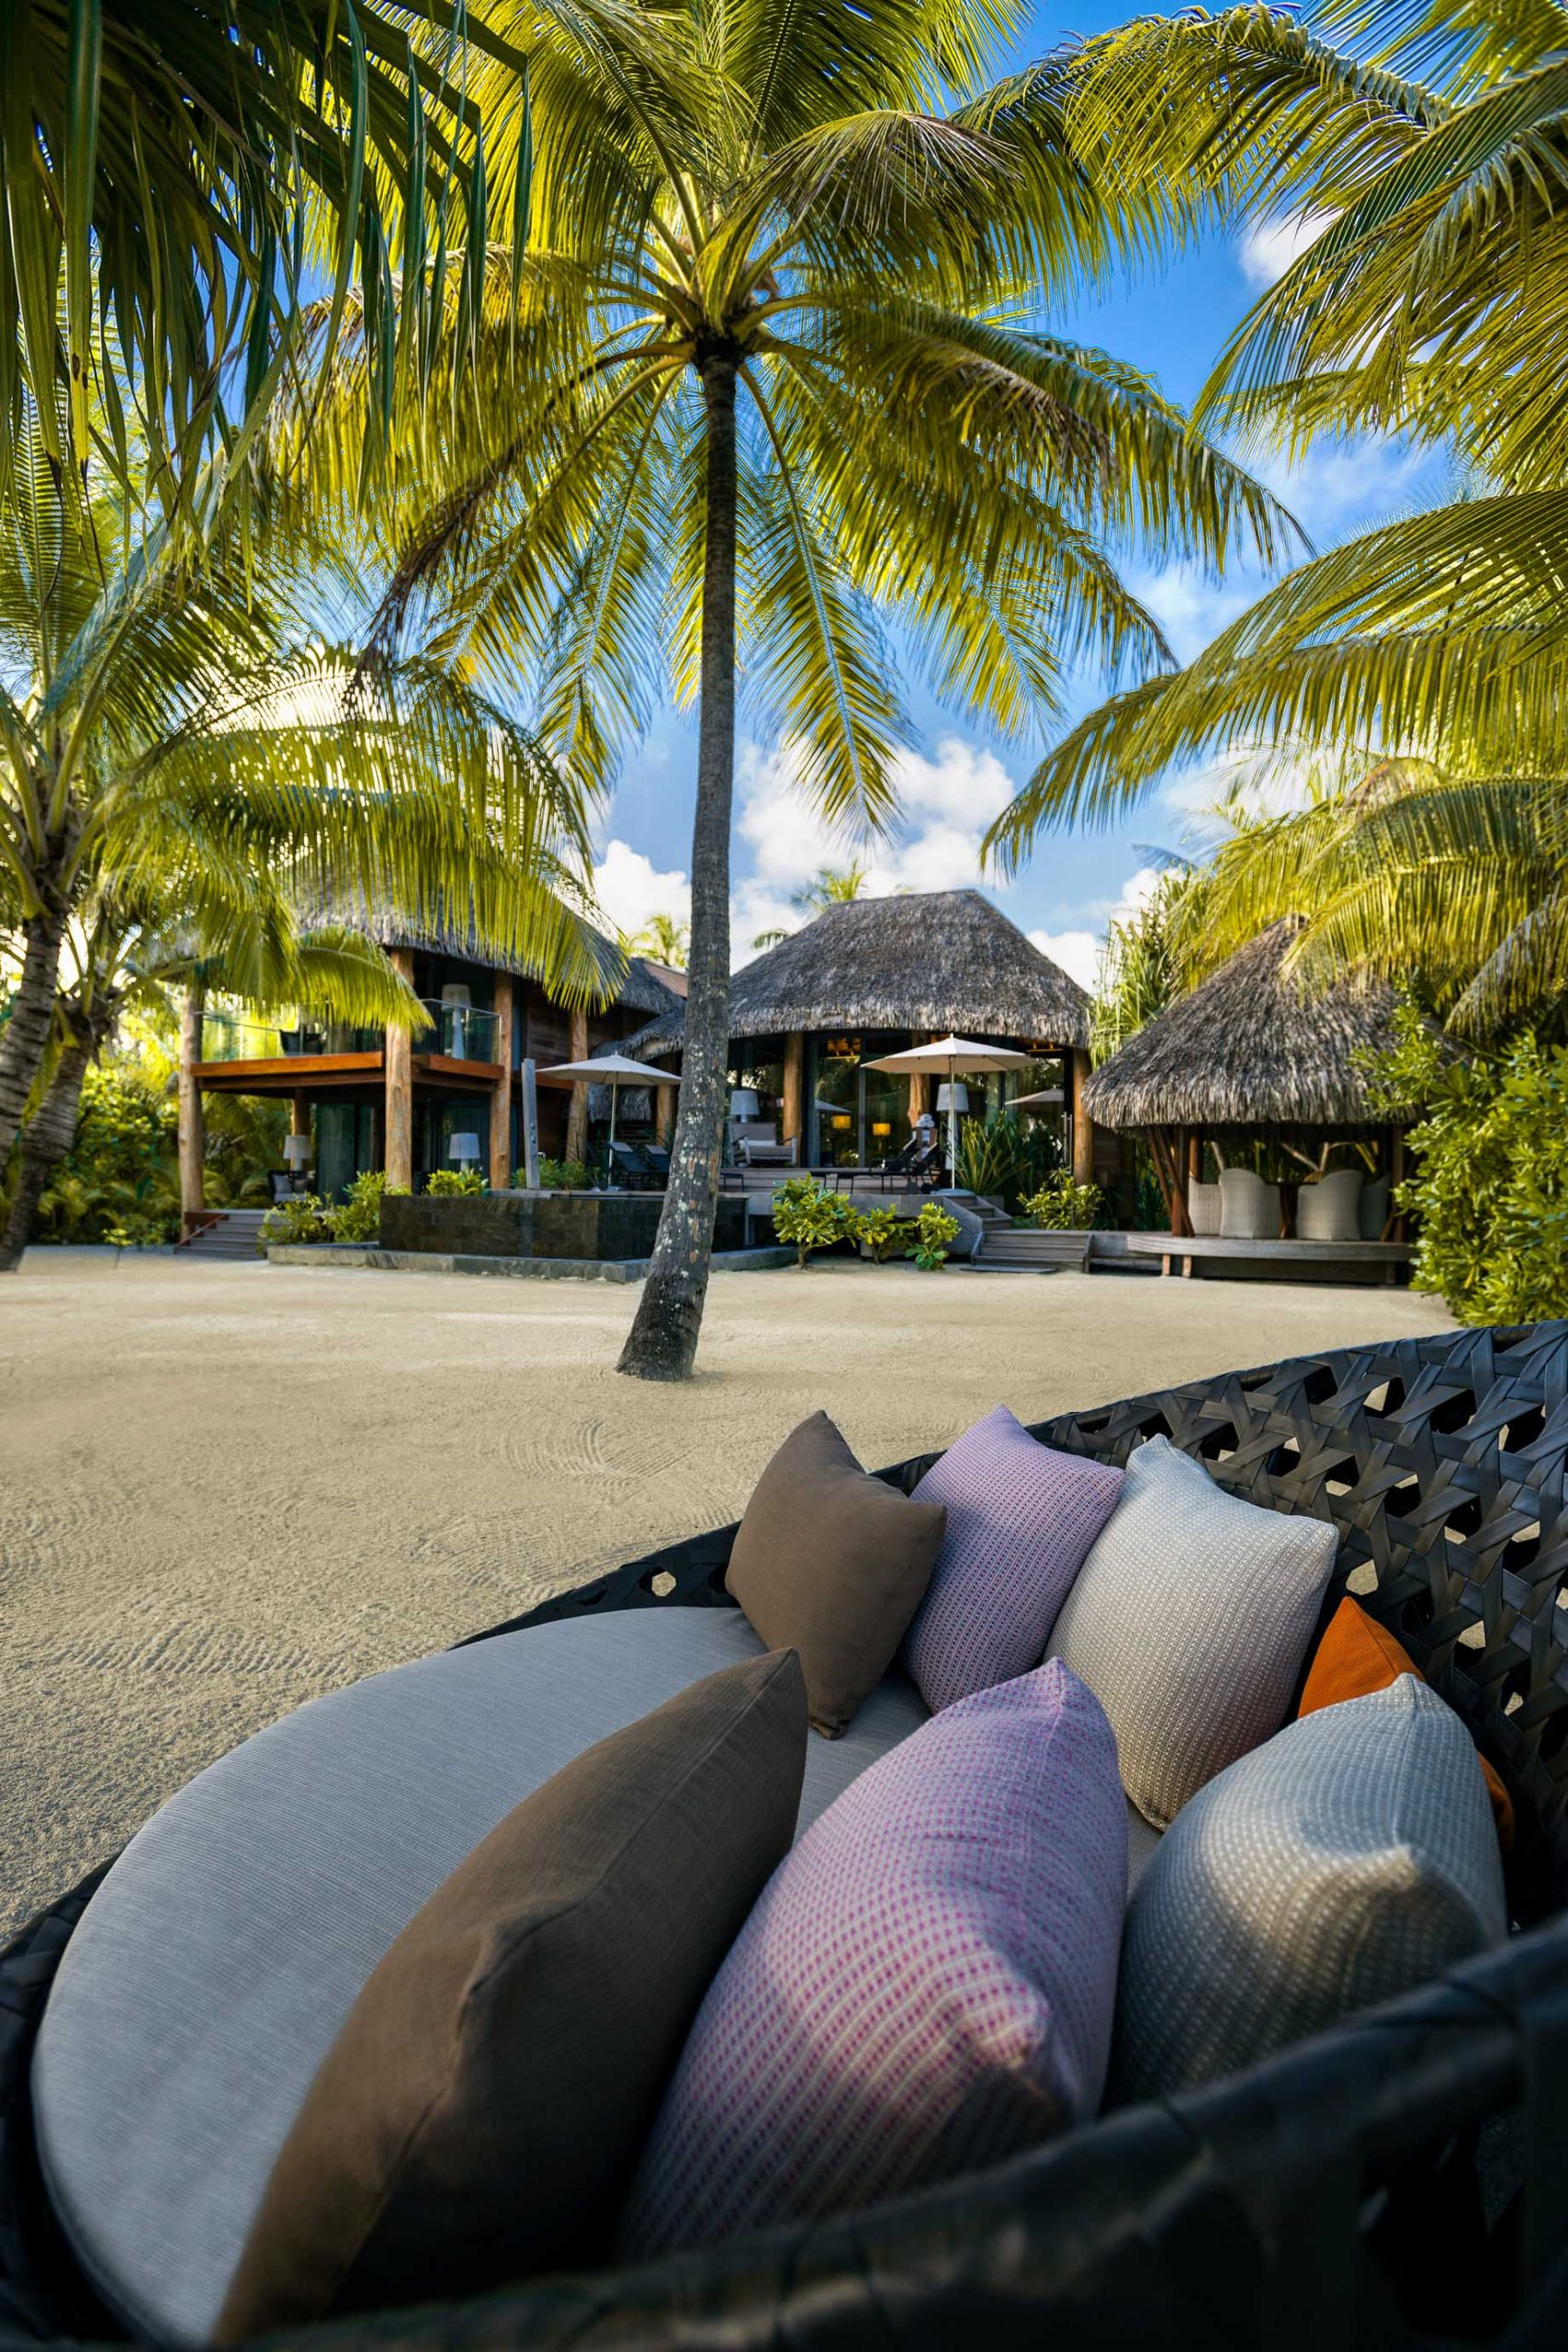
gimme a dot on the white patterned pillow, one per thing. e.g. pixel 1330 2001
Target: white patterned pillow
pixel 1350 1859
pixel 1189 1621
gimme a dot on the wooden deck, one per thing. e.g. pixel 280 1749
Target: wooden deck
pixel 1184 1254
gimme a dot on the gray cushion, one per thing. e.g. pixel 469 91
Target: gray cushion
pixel 1330 1209
pixel 1189 1621
pixel 217 1963
pixel 1349 1859
pixel 1142 1845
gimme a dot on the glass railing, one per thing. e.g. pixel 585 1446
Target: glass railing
pixel 463 1032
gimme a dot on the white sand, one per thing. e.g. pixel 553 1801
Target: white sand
pixel 225 1488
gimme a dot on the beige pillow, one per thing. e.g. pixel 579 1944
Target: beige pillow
pixel 834 1563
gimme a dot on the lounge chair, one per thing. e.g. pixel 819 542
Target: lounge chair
pixel 922 1171
pixel 1330 1209
pixel 1249 1209
pixel 1392 2182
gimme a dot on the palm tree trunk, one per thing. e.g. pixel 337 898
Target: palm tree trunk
pixel 46 1139
pixel 662 1342
pixel 24 1040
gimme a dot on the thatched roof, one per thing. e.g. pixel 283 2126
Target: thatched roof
pixel 623 979
pixel 942 960
pixel 1248 1047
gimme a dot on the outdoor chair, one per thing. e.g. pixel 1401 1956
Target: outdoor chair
pixel 1204 1206
pixel 1330 1209
pixel 1392 2183
pixel 1249 1209
pixel 634 1169
pixel 922 1172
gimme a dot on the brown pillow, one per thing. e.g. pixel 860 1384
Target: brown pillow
pixel 479 2114
pixel 835 1564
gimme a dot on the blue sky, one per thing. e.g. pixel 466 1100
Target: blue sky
pixel 1172 325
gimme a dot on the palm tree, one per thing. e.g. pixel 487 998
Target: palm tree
pixel 768 384
pixel 1430 302
pixel 831 886
pixel 157 720
pixel 664 940
pixel 173 178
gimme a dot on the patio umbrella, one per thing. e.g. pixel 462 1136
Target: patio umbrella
pixel 614 1070
pixel 952 1058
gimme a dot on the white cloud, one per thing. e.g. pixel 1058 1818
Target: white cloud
pixel 1345 480
pixel 1267 248
pixel 1191 608
pixel 947 801
pixel 1078 949
pixel 629 889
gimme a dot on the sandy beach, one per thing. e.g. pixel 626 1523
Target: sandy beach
pixel 224 1488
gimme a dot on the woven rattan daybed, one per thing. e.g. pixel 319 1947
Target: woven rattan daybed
pixel 1401 2181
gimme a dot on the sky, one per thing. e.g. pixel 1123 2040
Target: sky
pixel 1172 325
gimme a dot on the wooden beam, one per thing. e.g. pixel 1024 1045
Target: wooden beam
pixel 664 1100
pixel 500 1099
pixel 400 1091
pixel 192 1125
pixel 577 1117
pixel 1083 1125
pixel 792 1120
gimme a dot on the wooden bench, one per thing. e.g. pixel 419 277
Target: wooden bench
pixel 1187 1251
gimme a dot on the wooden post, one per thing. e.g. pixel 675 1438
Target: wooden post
pixel 299 1113
pixel 664 1098
pixel 1083 1125
pixel 192 1125
pixel 400 1091
pixel 501 1103
pixel 793 1119
pixel 577 1117
pixel 920 1094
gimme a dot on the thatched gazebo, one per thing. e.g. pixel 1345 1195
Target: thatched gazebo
pixel 870 978
pixel 1249 1048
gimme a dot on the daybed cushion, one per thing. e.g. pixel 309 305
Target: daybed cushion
pixel 926 1985
pixel 1357 1655
pixel 1349 1860
pixel 479 2116
pixel 1020 1519
pixel 833 1562
pixel 1189 1621
pixel 216 1965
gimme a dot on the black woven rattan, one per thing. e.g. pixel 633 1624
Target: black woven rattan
pixel 1355 2191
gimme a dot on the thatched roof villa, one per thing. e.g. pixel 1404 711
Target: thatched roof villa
pixel 868 978
pixel 1249 1048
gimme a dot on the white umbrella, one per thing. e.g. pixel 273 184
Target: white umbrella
pixel 952 1058
pixel 614 1070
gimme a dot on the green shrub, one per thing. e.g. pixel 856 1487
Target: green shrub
pixel 809 1218
pixel 880 1231
pixel 1062 1206
pixel 302 1216
pixel 991 1155
pixel 1491 1183
pixel 556 1176
pixel 444 1182
pixel 934 1229
pixel 359 1218
pixel 121 1170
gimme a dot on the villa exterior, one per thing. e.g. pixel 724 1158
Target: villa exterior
pixel 869 979
pixel 373 1099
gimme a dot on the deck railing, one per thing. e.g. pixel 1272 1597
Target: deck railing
pixel 466 1032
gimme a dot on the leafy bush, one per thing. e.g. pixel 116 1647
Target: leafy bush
pixel 555 1175
pixel 121 1169
pixel 880 1231
pixel 809 1218
pixel 1062 1206
pixel 301 1217
pixel 1491 1182
pixel 444 1182
pixel 359 1218
pixel 933 1230
pixel 991 1155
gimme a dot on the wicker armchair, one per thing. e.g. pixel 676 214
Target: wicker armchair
pixel 1401 2179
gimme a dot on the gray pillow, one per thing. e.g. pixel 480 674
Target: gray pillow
pixel 1352 1858
pixel 1189 1621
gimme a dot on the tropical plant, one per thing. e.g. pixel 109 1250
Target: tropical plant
pixel 1428 303
pixel 991 1155
pixel 831 886
pixel 120 1170
pixel 357 1216
pixel 878 1232
pixel 1490 1189
pixel 934 1228
pixel 1144 960
pixel 557 1175
pixel 664 940
pixel 807 1216
pixel 1063 1206
pixel 765 388
pixel 451 1180
pixel 298 1217
pixel 159 724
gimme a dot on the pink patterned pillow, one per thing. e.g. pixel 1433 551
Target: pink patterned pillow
pixel 1021 1520
pixel 925 1985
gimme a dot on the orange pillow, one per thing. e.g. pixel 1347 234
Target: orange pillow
pixel 1355 1655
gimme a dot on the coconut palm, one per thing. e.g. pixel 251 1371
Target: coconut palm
pixel 830 885
pixel 772 382
pixel 665 939
pixel 147 712
pixel 1431 301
